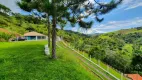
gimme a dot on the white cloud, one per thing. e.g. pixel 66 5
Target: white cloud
pixel 91 1
pixel 11 4
pixel 88 31
pixel 131 4
pixel 134 6
pixel 75 29
pixel 111 26
pixel 116 25
pixel 93 30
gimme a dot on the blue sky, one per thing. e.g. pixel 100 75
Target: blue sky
pixel 127 15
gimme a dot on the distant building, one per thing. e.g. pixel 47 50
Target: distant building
pixel 35 36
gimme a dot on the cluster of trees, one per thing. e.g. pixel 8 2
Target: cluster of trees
pixel 63 11
pixel 28 19
pixel 22 24
pixel 111 48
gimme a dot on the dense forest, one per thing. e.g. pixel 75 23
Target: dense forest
pixel 120 49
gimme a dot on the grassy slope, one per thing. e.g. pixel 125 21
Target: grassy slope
pixel 88 65
pixel 104 66
pixel 26 60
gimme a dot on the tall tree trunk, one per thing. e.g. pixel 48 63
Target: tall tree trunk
pixel 48 32
pixel 54 32
pixel 54 40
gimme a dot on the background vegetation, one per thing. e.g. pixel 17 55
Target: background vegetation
pixel 20 24
pixel 121 49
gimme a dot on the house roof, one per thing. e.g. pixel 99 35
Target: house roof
pixel 135 76
pixel 33 34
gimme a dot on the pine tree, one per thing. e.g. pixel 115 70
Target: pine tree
pixel 73 11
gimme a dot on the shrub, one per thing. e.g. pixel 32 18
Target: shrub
pixel 3 22
pixel 5 36
pixel 2 40
pixel 97 52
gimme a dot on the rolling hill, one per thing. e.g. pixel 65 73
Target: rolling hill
pixel 120 49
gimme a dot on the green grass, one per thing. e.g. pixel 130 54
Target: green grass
pixel 26 61
pixel 104 66
pixel 85 62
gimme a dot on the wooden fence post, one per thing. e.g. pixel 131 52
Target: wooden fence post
pixel 99 62
pixel 83 53
pixel 121 76
pixel 107 68
pixel 90 57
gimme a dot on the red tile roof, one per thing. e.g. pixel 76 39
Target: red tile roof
pixel 135 76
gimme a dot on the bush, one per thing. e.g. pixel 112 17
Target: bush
pixel 2 40
pixel 5 36
pixel 4 23
pixel 97 52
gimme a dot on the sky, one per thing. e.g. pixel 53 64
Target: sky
pixel 126 15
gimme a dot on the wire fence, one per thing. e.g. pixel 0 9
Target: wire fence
pixel 107 70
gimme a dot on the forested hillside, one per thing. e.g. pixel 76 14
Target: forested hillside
pixel 21 24
pixel 121 49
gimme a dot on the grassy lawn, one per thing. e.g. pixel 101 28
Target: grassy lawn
pixel 26 61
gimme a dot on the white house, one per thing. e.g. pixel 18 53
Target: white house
pixel 35 36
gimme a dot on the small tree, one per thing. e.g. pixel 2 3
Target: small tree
pixel 49 8
pixel 97 52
